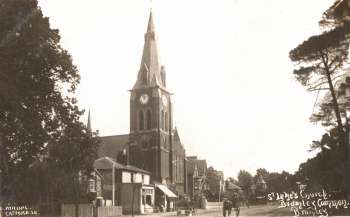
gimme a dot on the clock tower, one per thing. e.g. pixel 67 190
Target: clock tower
pixel 150 139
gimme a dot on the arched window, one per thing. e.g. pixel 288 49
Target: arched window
pixel 144 76
pixel 149 120
pixel 162 123
pixel 141 120
pixel 166 119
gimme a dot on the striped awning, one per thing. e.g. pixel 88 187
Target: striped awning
pixel 166 191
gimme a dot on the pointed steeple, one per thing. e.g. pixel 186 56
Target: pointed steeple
pixel 150 73
pixel 88 125
pixel 150 27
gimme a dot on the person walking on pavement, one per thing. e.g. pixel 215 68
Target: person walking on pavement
pixel 236 203
pixel 226 208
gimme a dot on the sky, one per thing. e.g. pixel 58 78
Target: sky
pixel 236 101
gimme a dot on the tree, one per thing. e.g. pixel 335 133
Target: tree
pixel 280 182
pixel 245 181
pixel 38 111
pixel 336 15
pixel 261 172
pixel 320 60
pixel 327 168
pixel 215 181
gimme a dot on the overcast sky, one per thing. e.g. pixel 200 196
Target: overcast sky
pixel 236 102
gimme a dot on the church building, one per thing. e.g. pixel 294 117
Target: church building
pixel 153 143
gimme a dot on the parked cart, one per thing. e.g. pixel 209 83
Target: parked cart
pixel 185 207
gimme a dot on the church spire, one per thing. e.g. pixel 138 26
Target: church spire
pixel 150 26
pixel 150 74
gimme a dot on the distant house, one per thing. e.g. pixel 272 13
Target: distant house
pixel 196 176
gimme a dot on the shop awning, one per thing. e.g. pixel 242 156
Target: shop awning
pixel 166 191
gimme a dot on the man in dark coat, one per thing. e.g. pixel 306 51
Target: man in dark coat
pixel 236 203
pixel 226 208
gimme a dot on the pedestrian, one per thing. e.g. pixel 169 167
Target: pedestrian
pixel 236 203
pixel 226 208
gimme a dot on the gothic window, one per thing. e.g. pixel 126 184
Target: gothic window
pixel 141 120
pixel 148 120
pixel 166 118
pixel 161 120
pixel 162 123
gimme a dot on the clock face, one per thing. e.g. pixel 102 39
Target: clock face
pixel 165 100
pixel 144 99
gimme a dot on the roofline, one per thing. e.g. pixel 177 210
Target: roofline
pixel 140 170
pixel 124 167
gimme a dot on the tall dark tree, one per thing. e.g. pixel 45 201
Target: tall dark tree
pixel 38 112
pixel 327 169
pixel 261 172
pixel 337 15
pixel 320 60
pixel 245 181
pixel 215 182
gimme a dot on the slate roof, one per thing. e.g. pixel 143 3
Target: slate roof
pixel 231 186
pixel 111 145
pixel 176 139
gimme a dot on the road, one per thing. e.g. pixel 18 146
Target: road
pixel 214 210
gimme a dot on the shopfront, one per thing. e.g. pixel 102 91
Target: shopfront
pixel 165 198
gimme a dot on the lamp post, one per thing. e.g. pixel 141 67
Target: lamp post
pixel 113 184
pixel 133 194
pixel 220 187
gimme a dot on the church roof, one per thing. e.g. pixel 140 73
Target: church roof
pixel 150 71
pixel 176 139
pixel 111 145
pixel 176 135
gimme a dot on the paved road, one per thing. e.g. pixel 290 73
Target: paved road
pixel 214 210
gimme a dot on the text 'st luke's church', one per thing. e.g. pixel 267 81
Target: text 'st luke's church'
pixel 154 145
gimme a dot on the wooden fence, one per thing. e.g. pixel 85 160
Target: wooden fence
pixel 109 211
pixel 84 210
pixel 87 210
